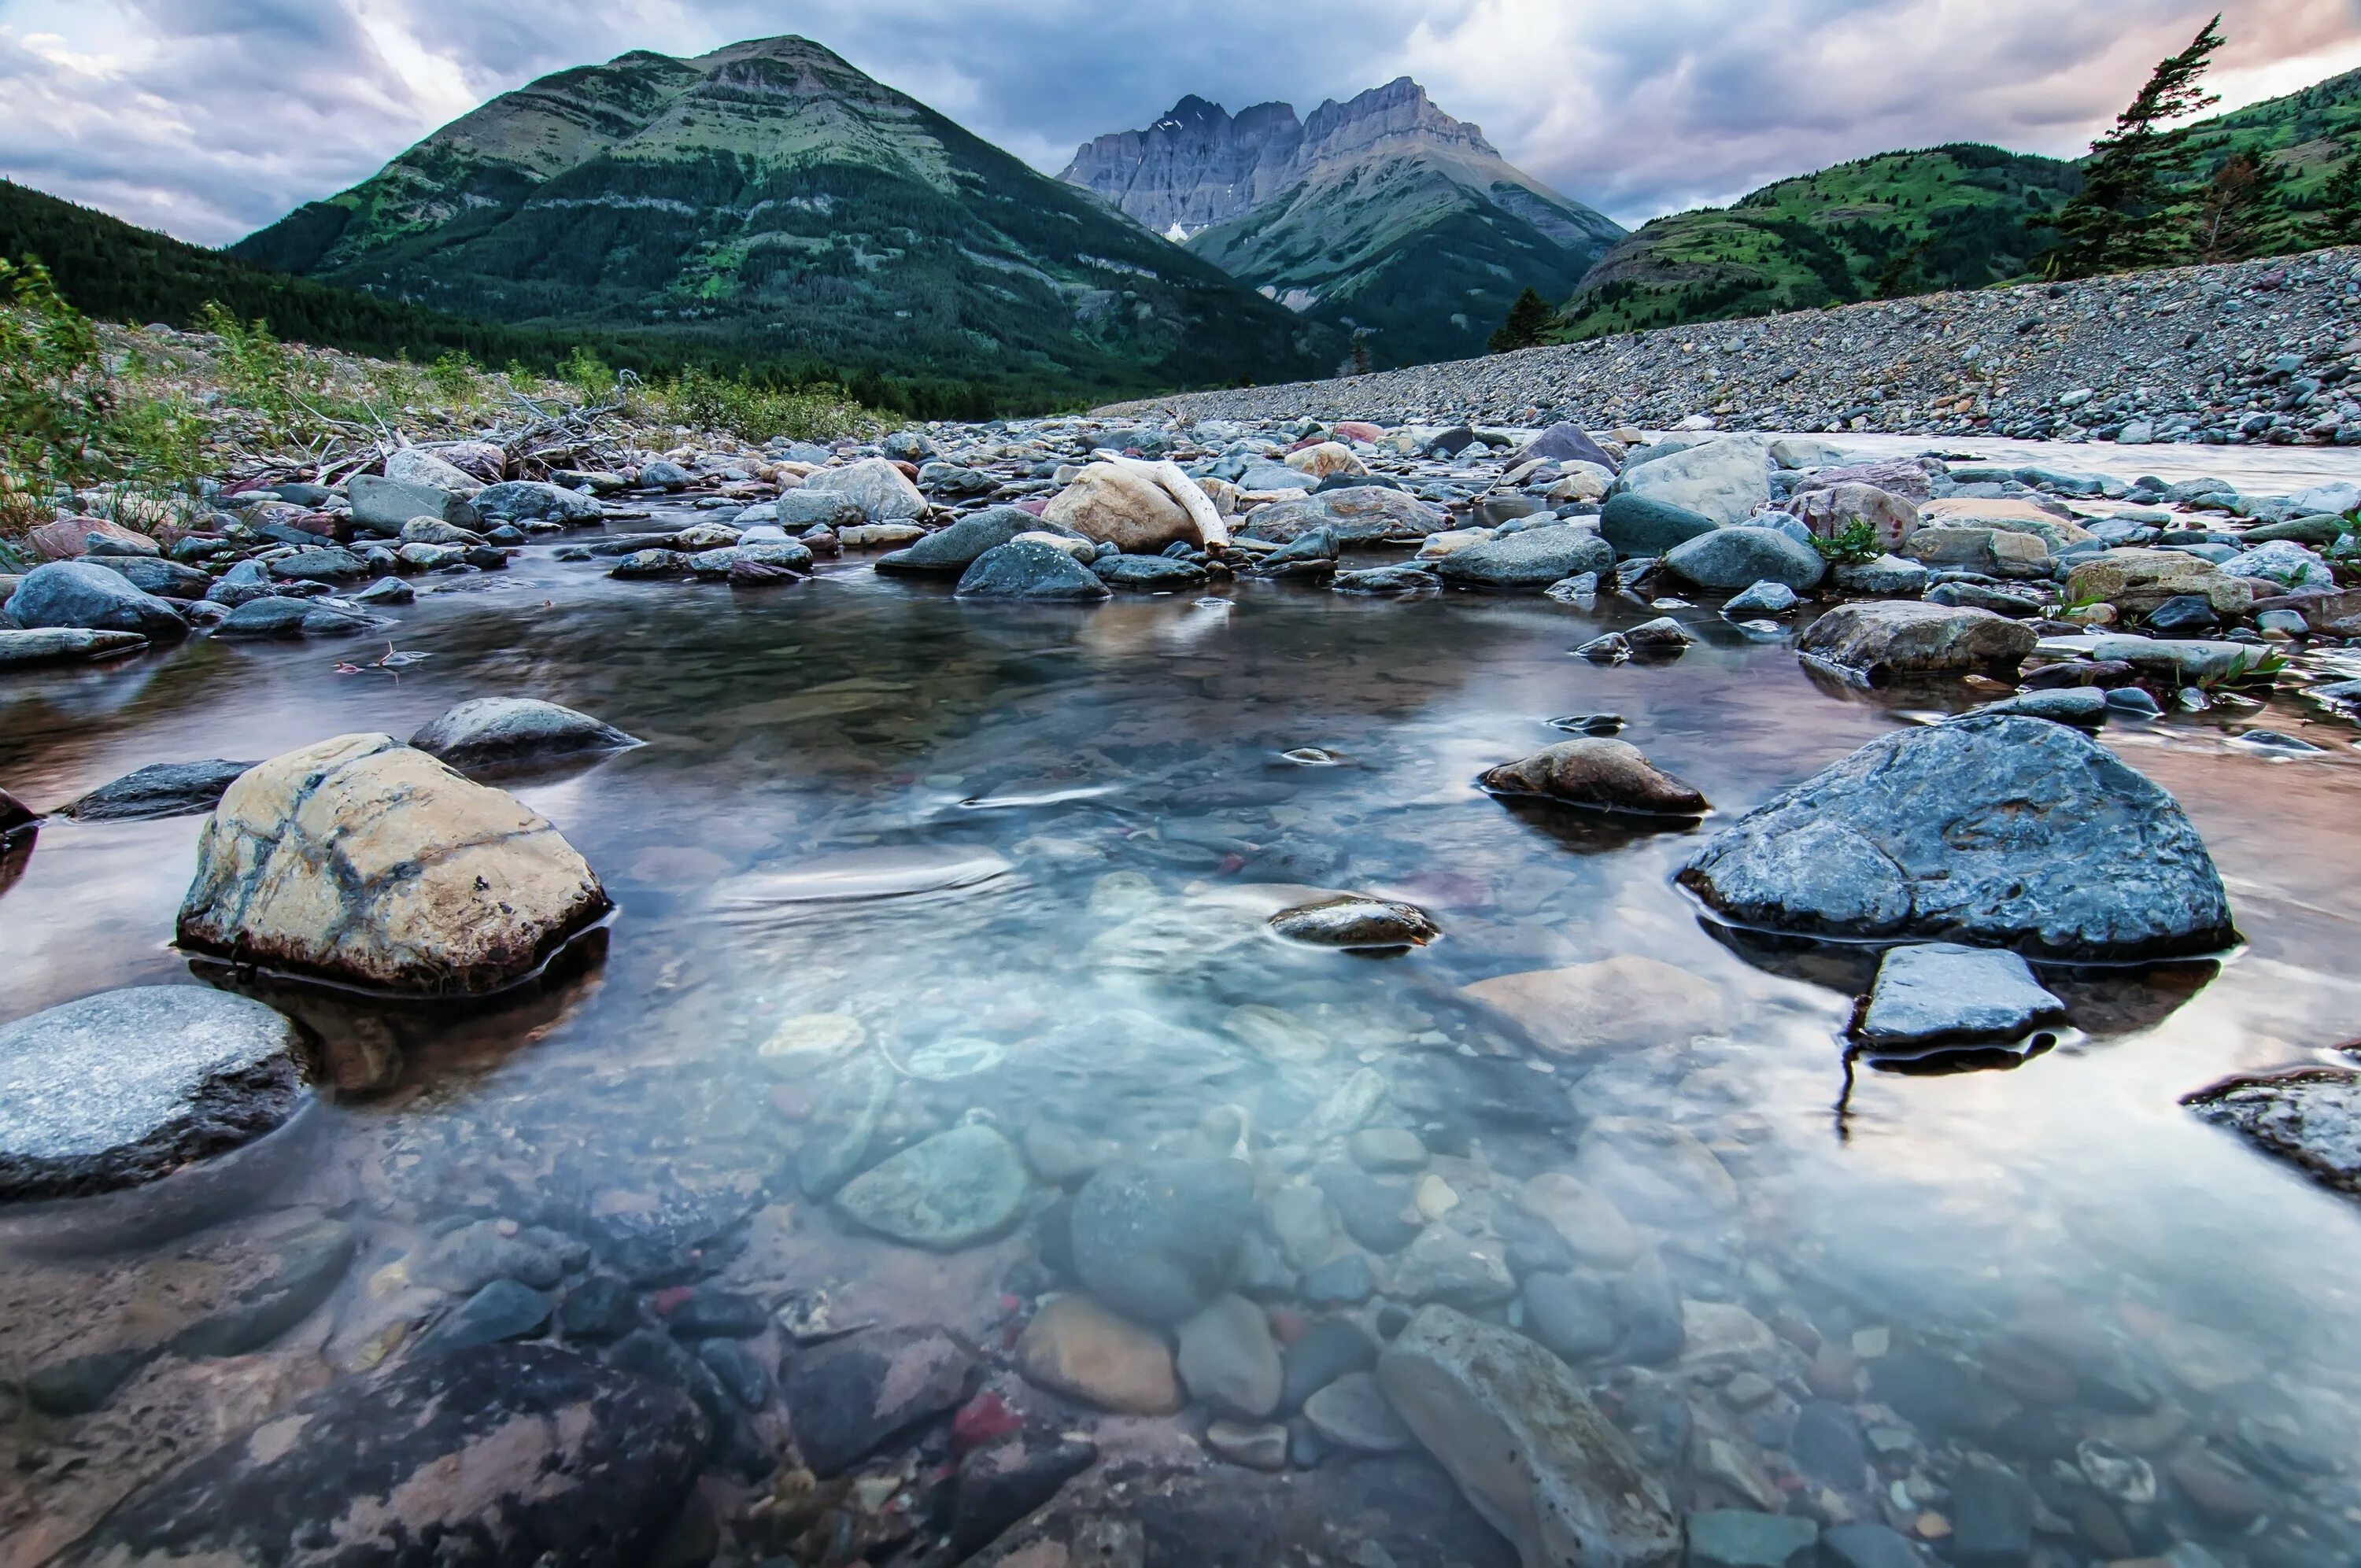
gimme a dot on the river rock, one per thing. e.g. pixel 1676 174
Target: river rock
pixel 68 537
pixel 283 619
pixel 416 465
pixel 846 1398
pixel 805 508
pixel 1742 1538
pixel 1353 922
pixel 1563 444
pixel 1228 1358
pixel 500 731
pixel 1934 993
pixel 1512 1424
pixel 118 1089
pixel 1618 1004
pixel 1365 514
pixel 1123 506
pixel 952 550
pixel 950 1191
pixel 1157 1240
pixel 2309 1117
pixel 1533 559
pixel 1154 571
pixel 1466 1272
pixel 1910 478
pixel 362 860
pixel 1999 831
pixel 1886 575
pixel 529 500
pixel 1572 1314
pixel 881 490
pixel 1731 558
pixel 1588 1221
pixel 320 563
pixel 58 645
pixel 160 789
pixel 562 1460
pixel 1353 1413
pixel 68 594
pixel 1728 480
pixel 2139 581
pixel 1025 569
pixel 153 574
pixel 1601 774
pixel 1075 1347
pixel 1833 510
pixel 1637 525
pixel 382 505
pixel 1882 641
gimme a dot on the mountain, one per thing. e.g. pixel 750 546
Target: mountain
pixel 1907 223
pixel 770 198
pixel 1383 215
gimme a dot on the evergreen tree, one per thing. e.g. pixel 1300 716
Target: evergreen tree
pixel 2239 203
pixel 2111 227
pixel 2338 222
pixel 1529 318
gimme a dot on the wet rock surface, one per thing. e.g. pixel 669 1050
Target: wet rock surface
pixel 494 732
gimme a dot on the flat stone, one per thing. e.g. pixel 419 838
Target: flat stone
pixel 1592 1227
pixel 952 550
pixel 1256 1446
pixel 1227 1357
pixel 849 1397
pixel 1363 514
pixel 1460 1271
pixel 1386 1150
pixel 62 645
pixel 498 731
pixel 1534 558
pixel 1635 525
pixel 1025 569
pixel 2309 1118
pixel 1572 1314
pixel 1938 992
pixel 1740 1538
pixel 160 789
pixel 1157 1240
pixel 1599 775
pixel 504 1310
pixel 1001 1482
pixel 1876 643
pixel 881 490
pixel 1075 1347
pixel 381 505
pixel 1353 1413
pixel 1326 1349
pixel 1729 559
pixel 1619 1004
pixel 950 1191
pixel 1351 922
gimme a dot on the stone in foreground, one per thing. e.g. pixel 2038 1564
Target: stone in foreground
pixel 848 1396
pixel 950 1191
pixel 160 789
pixel 479 1457
pixel 1158 1239
pixel 63 644
pixel 2310 1118
pixel 364 862
pixel 1878 643
pixel 1356 922
pixel 1732 558
pixel 1996 830
pixel 69 594
pixel 1602 774
pixel 498 732
pixel 118 1089
pixel 1937 993
pixel 1027 569
pixel 1533 559
pixel 1077 1348
pixel 1512 1424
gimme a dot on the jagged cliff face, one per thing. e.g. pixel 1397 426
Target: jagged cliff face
pixel 1383 214
pixel 770 197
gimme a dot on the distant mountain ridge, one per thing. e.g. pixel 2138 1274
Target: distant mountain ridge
pixel 1382 214
pixel 770 196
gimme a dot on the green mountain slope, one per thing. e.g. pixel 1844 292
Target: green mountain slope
pixel 771 198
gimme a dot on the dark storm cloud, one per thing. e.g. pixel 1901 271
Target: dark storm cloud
pixel 211 117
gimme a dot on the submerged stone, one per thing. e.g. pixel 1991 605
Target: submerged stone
pixel 950 1191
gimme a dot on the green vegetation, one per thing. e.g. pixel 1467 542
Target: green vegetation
pixel 1854 543
pixel 2117 222
pixel 1527 324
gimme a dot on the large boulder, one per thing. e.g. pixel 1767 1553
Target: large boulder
pixel 1878 642
pixel 948 551
pixel 1157 1240
pixel 1599 773
pixel 67 594
pixel 1909 478
pixel 416 465
pixel 1729 559
pixel 1994 830
pixel 1513 1425
pixel 1728 480
pixel 278 617
pixel 2309 1118
pixel 500 731
pixel 1365 514
pixel 1029 569
pixel 805 508
pixel 118 1089
pixel 1563 444
pixel 883 492
pixel 2005 515
pixel 471 1458
pixel 1998 552
pixel 1635 525
pixel 1122 505
pixel 154 575
pixel 362 860
pixel 68 537
pixel 1829 511
pixel 529 500
pixel 382 505
pixel 1533 559
pixel 2140 580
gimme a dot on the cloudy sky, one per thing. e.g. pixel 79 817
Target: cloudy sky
pixel 209 118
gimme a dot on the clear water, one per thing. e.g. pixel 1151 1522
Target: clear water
pixel 862 797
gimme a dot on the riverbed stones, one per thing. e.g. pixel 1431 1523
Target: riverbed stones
pixel 2139 581
pixel 1742 1538
pixel 1075 1347
pixel 1229 1359
pixel 1588 1221
pixel 1122 505
pixel 1732 558
pixel 1599 775
pixel 1353 1413
pixel 381 505
pixel 279 619
pixel 1624 1003
pixel 948 1192
pixel 21 649
pixel 362 860
pixel 881 490
pixel 78 594
pixel 1993 830
pixel 1027 569
pixel 529 500
pixel 2309 1117
pixel 562 1460
pixel 492 732
pixel 1356 924
pixel 160 789
pixel 1879 643
pixel 1728 480
pixel 848 1396
pixel 1937 992
pixel 1531 559
pixel 116 1090
pixel 1364 514
pixel 1157 1240
pixel 1512 1424
pixel 951 551
pixel 1466 1272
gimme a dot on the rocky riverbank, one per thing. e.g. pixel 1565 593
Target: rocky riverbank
pixel 2259 352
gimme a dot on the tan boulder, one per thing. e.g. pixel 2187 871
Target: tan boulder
pixel 1617 1003
pixel 1121 504
pixel 70 537
pixel 1832 510
pixel 362 860
pixel 1327 458
pixel 1603 774
pixel 1075 1347
pixel 2007 515
pixel 2007 553
pixel 2140 580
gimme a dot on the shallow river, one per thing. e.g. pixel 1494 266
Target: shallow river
pixel 1029 849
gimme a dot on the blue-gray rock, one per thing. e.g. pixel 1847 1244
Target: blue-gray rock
pixel 2183 614
pixel 2309 1118
pixel 1029 570
pixel 1572 1314
pixel 1992 1516
pixel 881 490
pixel 952 550
pixel 1886 575
pixel 638 564
pixel 1725 478
pixel 949 1192
pixel 955 480
pixel 565 1461
pixel 154 575
pixel 1146 572
pixel 1733 558
pixel 67 594
pixel 1385 580
pixel 504 1310
pixel 1329 1349
pixel 1999 831
pixel 1376 1211
pixel 1364 514
pixel 1533 559
pixel 1828 1443
pixel 1984 596
pixel 382 505
pixel 805 508
pixel 529 500
pixel 160 789
pixel 1742 1538
pixel 1635 525
pixel 1157 1240
pixel 498 731
pixel 118 1089
pixel 2131 700
pixel 848 1396
pixel 1876 643
pixel 1865 1544
pixel 1763 598
pixel 2085 707
pixel 63 644
pixel 282 616
pixel 1563 444
pixel 664 475
pixel 386 590
pixel 323 563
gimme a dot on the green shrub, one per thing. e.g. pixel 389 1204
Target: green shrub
pixel 703 400
pixel 1855 544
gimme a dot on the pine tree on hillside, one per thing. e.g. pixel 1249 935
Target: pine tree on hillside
pixel 2239 203
pixel 2112 225
pixel 1529 318
pixel 2338 222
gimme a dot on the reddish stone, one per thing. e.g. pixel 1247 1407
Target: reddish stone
pixel 982 1419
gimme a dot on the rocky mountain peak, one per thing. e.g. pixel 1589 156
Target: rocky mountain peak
pixel 1398 112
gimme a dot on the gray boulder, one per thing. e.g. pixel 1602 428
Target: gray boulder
pixel 1937 993
pixel 1881 642
pixel 68 594
pixel 1563 444
pixel 1727 479
pixel 946 1192
pixel 1886 575
pixel 1146 572
pixel 325 564
pixel 1513 1425
pixel 2000 831
pixel 160 789
pixel 154 575
pixel 1365 514
pixel 1637 525
pixel 1386 580
pixel 1028 570
pixel 498 732
pixel 952 550
pixel 281 618
pixel 880 489
pixel 1157 1240
pixel 53 646
pixel 816 507
pixel 382 505
pixel 2309 1118
pixel 1729 559
pixel 851 1395
pixel 528 501
pixel 118 1089
pixel 1534 559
